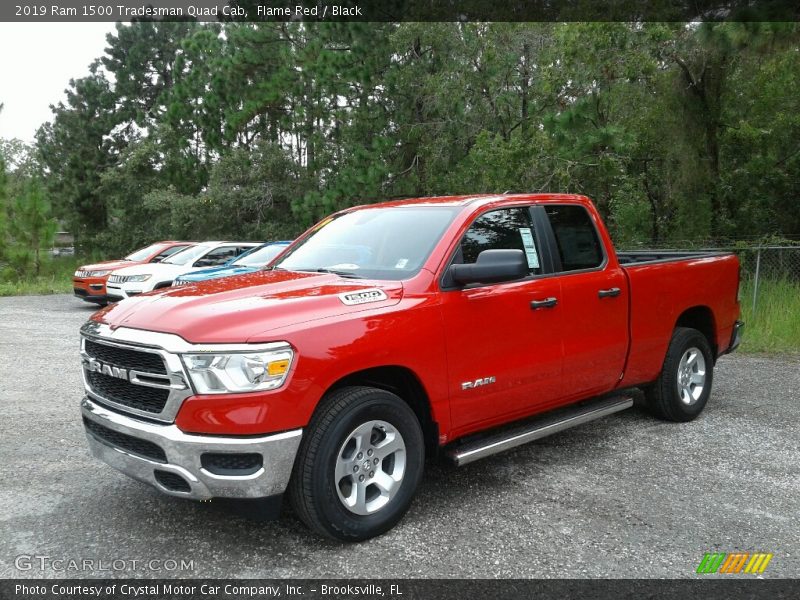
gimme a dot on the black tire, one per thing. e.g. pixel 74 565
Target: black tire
pixel 313 487
pixel 664 395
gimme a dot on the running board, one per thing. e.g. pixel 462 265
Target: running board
pixel 539 427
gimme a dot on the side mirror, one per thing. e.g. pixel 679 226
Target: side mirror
pixel 492 266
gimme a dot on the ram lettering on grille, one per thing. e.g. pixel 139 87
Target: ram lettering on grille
pixel 127 377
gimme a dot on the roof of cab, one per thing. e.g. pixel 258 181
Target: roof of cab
pixel 481 199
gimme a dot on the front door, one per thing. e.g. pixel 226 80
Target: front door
pixel 503 340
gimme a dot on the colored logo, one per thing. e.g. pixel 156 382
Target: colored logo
pixel 734 562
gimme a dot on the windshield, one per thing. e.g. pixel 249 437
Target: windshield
pixel 144 253
pixel 260 256
pixel 186 256
pixel 374 243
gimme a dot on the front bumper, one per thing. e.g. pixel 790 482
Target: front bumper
pixel 119 291
pixel 183 454
pixel 93 290
pixel 97 299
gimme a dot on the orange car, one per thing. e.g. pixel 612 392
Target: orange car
pixel 89 281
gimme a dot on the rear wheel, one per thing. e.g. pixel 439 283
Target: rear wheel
pixel 682 389
pixel 359 464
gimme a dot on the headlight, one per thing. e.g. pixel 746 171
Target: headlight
pixel 226 373
pixel 99 273
pixel 133 278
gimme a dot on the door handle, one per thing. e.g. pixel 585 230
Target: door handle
pixel 609 293
pixel 546 303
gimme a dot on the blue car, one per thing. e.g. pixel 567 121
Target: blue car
pixel 254 260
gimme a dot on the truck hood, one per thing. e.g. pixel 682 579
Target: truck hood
pixel 247 308
pixel 215 272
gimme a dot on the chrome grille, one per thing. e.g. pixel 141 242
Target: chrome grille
pixel 120 278
pixel 149 362
pixel 145 381
pixel 84 273
pixel 120 391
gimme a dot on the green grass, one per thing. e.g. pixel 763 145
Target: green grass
pixel 55 278
pixel 775 325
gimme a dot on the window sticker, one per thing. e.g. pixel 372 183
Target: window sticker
pixel 530 247
pixel 401 264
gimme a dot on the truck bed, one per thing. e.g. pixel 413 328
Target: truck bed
pixel 665 284
pixel 638 257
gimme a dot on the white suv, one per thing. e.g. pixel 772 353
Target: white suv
pixel 138 279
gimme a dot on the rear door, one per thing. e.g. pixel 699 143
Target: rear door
pixel 594 304
pixel 503 352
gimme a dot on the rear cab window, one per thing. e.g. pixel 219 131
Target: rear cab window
pixel 576 237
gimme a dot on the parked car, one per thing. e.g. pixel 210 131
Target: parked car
pixel 132 281
pixel 250 261
pixel 89 281
pixel 463 326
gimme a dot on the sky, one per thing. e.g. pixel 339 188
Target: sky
pixel 37 60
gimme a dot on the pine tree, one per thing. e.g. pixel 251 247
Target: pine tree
pixel 32 229
pixel 3 186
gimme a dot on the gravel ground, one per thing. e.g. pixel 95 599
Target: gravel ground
pixel 626 496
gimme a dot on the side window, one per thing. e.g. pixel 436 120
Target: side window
pixel 219 256
pixel 503 229
pixel 576 237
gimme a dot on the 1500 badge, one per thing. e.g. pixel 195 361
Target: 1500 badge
pixel 353 298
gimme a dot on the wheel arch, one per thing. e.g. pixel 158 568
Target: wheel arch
pixel 403 382
pixel 702 319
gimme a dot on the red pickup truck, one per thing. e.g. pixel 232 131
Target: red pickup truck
pixel 457 325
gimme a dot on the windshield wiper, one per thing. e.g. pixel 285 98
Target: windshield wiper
pixel 347 274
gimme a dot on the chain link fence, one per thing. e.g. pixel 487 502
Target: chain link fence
pixel 765 265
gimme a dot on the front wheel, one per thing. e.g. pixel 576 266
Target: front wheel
pixel 682 389
pixel 359 464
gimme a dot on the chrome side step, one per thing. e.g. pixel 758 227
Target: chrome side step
pixel 539 427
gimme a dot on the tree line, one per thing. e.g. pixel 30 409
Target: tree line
pixel 255 130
